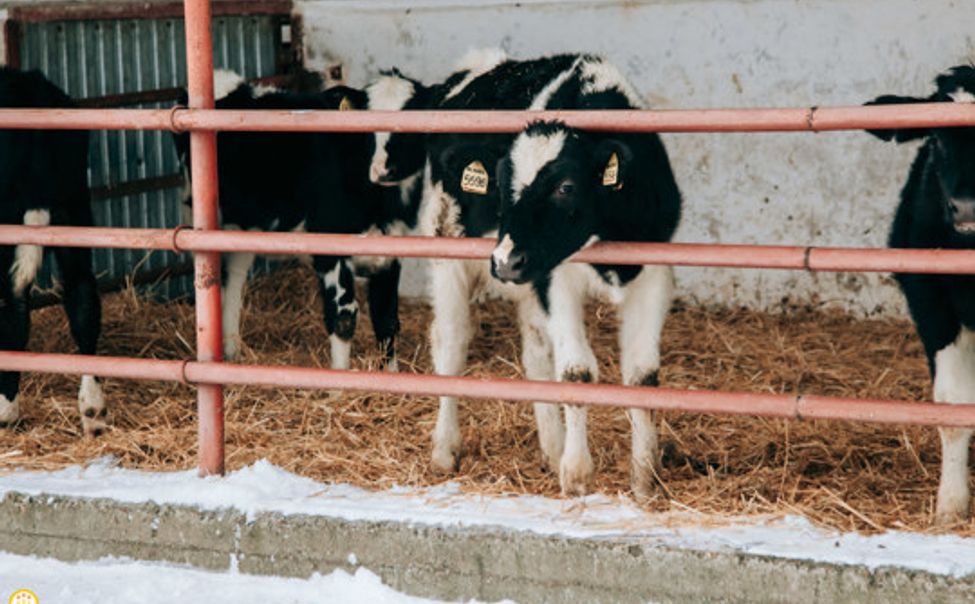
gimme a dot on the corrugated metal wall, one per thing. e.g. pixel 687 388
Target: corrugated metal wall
pixel 99 58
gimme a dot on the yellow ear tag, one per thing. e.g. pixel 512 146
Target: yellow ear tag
pixel 611 175
pixel 474 179
pixel 346 104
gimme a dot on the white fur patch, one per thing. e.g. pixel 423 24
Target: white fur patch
pixel 541 101
pixel 406 187
pixel 28 258
pixel 264 90
pixel 529 155
pixel 9 410
pixel 476 62
pixel 962 96
pixel 331 279
pixel 232 297
pixel 954 376
pixel 90 394
pixel 954 382
pixel 225 81
pixel 503 251
pixel 389 93
pixel 599 76
pixel 341 352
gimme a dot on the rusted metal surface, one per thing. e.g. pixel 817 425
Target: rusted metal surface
pixel 203 168
pixel 608 395
pixel 154 9
pixel 678 254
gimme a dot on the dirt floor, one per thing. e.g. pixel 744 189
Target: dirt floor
pixel 847 476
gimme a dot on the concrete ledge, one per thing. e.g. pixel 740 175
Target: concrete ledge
pixel 447 563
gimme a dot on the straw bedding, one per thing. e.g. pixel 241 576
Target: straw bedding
pixel 842 475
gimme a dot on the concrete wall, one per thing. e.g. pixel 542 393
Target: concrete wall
pixel 802 189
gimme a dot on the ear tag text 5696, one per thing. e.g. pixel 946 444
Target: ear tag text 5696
pixel 611 174
pixel 474 179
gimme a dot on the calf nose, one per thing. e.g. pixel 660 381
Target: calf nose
pixel 377 172
pixel 509 269
pixel 963 214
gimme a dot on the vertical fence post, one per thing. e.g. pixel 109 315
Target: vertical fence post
pixel 203 153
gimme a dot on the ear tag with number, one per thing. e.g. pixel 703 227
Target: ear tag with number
pixel 611 175
pixel 474 179
pixel 346 104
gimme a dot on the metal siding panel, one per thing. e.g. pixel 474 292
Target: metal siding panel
pixel 98 58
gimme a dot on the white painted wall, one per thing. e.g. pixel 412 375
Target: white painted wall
pixel 802 189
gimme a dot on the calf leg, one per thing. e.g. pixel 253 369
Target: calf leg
pixel 574 362
pixel 341 309
pixel 14 332
pixel 236 267
pixel 645 305
pixel 384 311
pixel 954 382
pixel 536 357
pixel 450 335
pixel 83 307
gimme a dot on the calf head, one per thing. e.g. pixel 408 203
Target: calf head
pixel 397 155
pixel 951 151
pixel 465 166
pixel 552 182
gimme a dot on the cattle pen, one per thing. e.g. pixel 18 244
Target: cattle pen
pixel 208 373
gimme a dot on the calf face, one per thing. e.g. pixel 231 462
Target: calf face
pixel 951 150
pixel 550 183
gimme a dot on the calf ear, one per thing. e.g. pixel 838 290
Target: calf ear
pixel 899 135
pixel 467 166
pixel 611 162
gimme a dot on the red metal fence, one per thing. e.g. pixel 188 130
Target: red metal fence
pixel 208 373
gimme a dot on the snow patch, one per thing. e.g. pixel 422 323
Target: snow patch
pixel 263 487
pixel 119 581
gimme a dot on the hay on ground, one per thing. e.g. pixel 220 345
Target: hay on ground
pixel 842 475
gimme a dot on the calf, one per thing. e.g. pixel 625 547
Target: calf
pixel 44 181
pixel 561 189
pixel 463 197
pixel 937 210
pixel 315 182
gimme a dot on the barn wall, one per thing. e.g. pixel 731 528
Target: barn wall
pixel 822 189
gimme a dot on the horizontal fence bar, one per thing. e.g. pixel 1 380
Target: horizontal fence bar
pixel 920 115
pixel 605 395
pixel 477 248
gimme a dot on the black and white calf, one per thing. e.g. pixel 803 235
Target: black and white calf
pixel 551 201
pixel 314 182
pixel 44 181
pixel 937 210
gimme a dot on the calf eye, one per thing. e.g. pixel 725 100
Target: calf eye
pixel 566 188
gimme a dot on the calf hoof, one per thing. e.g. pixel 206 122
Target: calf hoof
pixel 643 480
pixel 94 426
pixel 91 405
pixel 951 510
pixel 230 350
pixel 575 475
pixel 550 463
pixel 9 411
pixel 445 460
